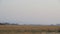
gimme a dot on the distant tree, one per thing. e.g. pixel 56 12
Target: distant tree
pixel 6 23
pixel 1 24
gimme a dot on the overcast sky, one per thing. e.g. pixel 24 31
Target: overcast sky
pixel 30 11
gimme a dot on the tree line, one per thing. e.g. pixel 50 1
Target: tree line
pixel 7 24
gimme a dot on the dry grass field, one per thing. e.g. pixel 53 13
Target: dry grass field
pixel 16 29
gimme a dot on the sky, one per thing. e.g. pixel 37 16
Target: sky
pixel 30 11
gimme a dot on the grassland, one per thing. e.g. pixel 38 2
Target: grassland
pixel 16 29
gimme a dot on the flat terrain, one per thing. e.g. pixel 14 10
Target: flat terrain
pixel 23 29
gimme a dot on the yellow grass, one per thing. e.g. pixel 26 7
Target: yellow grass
pixel 14 29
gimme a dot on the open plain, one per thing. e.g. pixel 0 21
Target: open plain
pixel 27 29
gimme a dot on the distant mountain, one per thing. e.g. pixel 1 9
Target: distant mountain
pixel 57 24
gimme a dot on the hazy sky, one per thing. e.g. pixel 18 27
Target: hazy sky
pixel 30 11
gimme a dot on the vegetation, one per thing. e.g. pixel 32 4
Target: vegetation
pixel 7 24
pixel 6 28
